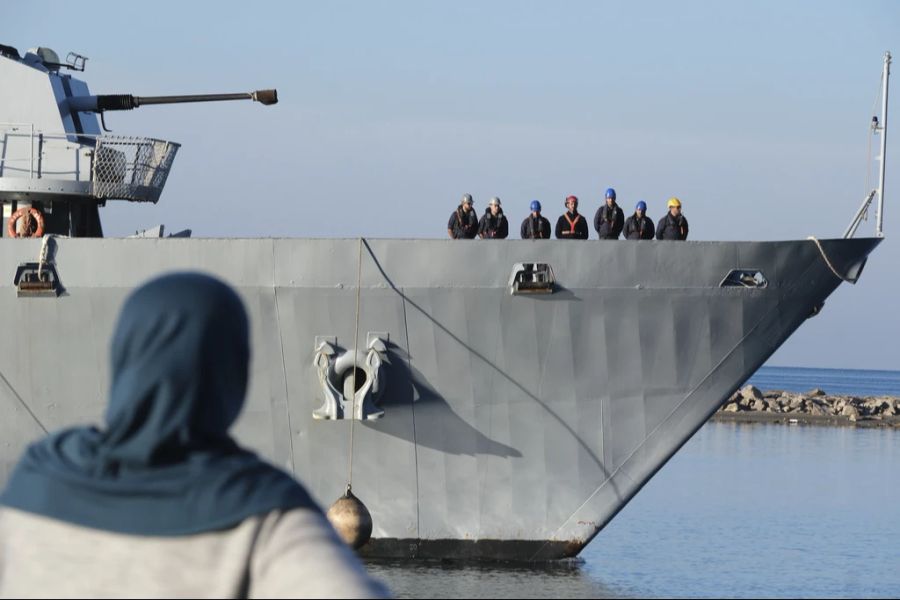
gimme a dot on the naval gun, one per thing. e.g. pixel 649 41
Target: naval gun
pixel 127 101
pixel 57 167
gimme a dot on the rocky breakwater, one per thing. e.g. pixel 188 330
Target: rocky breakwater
pixel 813 407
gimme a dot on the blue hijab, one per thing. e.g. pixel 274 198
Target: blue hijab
pixel 165 464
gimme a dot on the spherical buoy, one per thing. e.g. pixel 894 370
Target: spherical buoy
pixel 351 519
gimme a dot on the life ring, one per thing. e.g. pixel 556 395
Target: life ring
pixel 31 216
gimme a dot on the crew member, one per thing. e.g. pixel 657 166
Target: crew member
pixel 639 226
pixel 493 224
pixel 571 225
pixel 610 219
pixel 463 224
pixel 673 226
pixel 535 227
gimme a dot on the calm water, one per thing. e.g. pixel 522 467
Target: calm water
pixel 743 510
pixel 833 381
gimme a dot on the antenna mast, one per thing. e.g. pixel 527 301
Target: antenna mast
pixel 885 76
pixel 879 191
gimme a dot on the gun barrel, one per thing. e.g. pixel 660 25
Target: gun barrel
pixel 127 101
pixel 265 97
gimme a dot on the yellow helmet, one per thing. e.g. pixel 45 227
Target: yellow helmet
pixel 673 201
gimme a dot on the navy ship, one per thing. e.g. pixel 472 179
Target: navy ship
pixel 503 413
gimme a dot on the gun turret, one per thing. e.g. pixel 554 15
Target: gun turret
pixel 56 163
pixel 104 102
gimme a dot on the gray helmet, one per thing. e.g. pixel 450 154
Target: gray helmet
pixel 467 199
pixel 495 200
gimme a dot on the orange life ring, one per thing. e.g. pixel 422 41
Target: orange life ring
pixel 31 216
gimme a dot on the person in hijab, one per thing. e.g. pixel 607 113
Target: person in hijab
pixel 162 502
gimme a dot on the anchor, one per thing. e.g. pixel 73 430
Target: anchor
pixel 337 369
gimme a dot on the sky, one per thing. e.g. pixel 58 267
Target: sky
pixel 756 115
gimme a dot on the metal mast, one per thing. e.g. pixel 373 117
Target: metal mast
pixel 879 191
pixel 882 159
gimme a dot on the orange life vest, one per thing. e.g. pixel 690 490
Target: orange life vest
pixel 572 223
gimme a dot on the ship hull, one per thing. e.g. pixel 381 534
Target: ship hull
pixel 515 426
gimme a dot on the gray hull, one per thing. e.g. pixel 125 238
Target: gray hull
pixel 515 427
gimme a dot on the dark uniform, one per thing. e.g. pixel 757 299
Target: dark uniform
pixel 672 228
pixel 464 225
pixel 639 228
pixel 491 227
pixel 571 226
pixel 535 228
pixel 608 221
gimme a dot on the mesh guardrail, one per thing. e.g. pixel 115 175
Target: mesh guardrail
pixel 131 168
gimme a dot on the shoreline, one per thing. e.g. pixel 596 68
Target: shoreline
pixel 815 407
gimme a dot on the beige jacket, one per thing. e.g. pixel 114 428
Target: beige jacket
pixel 293 554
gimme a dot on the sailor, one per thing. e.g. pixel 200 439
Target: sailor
pixel 609 220
pixel 535 227
pixel 493 224
pixel 673 226
pixel 571 225
pixel 639 226
pixel 463 224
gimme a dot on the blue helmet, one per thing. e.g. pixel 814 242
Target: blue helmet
pixel 641 206
pixel 535 205
pixel 611 193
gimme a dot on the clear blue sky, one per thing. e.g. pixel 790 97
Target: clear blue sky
pixel 754 114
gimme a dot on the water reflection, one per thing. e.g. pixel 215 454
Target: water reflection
pixel 453 579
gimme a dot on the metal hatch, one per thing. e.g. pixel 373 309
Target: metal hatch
pixel 745 278
pixel 532 278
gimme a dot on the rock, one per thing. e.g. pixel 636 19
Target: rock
pixel 751 392
pixel 796 401
pixel 772 394
pixel 815 409
pixel 850 412
pixel 759 405
pixel 810 402
pixel 872 404
pixel 877 406
pixel 816 392
pixel 731 407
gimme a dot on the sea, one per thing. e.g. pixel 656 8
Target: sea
pixel 741 511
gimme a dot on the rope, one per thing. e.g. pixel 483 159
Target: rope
pixel 42 258
pixel 23 403
pixel 355 368
pixel 828 262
